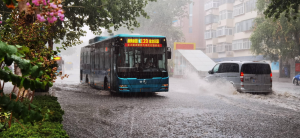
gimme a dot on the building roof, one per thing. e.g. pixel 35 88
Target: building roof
pixel 199 60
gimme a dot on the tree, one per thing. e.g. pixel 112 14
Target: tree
pixel 275 38
pixel 161 16
pixel 95 14
pixel 276 8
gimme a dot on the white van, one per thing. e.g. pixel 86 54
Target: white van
pixel 246 76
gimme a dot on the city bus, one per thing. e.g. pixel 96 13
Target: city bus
pixel 126 63
pixel 69 66
pixel 60 62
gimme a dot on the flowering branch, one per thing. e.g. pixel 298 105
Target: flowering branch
pixel 49 11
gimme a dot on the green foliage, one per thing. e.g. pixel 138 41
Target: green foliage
pixel 20 110
pixel 276 39
pixel 51 103
pixel 289 9
pixel 45 129
pixel 97 14
pixel 12 55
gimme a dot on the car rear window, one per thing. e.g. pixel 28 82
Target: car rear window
pixel 228 67
pixel 256 69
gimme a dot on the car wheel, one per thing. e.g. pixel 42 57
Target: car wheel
pixel 296 82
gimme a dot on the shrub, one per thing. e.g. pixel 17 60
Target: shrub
pixel 51 103
pixel 45 129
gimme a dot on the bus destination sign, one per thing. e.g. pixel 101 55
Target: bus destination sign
pixel 143 43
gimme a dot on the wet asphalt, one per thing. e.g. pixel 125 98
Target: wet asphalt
pixel 191 108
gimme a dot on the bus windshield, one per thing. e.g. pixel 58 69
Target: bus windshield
pixel 141 59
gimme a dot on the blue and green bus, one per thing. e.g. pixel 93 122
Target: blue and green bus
pixel 126 63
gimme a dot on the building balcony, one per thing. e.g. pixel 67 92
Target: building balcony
pixel 214 11
pixel 227 6
pixel 225 39
pixel 212 55
pixel 212 41
pixel 226 22
pixel 212 26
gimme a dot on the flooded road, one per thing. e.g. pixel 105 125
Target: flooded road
pixel 190 109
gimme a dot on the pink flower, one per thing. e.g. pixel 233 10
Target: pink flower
pixel 51 14
pixel 45 2
pixel 38 16
pixel 36 2
pixel 53 5
pixel 50 20
pixel 41 19
pixel 0 22
pixel 59 6
pixel 61 15
pixel 60 11
pixel 62 19
pixel 27 4
pixel 54 19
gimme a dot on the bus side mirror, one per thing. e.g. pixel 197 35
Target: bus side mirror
pixel 169 53
pixel 116 50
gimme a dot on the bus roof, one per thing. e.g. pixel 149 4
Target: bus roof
pixel 128 35
pixel 103 38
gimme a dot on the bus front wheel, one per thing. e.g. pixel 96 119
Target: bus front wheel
pixel 86 79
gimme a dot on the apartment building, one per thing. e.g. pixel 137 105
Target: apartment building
pixel 228 27
pixel 192 26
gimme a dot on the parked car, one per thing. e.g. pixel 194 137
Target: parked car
pixel 246 76
pixel 296 79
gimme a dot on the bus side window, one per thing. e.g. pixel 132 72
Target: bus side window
pixel 86 57
pixel 89 57
pixel 101 58
pixel 97 58
pixel 82 56
pixel 107 56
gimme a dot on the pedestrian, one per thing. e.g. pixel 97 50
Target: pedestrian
pixel 286 71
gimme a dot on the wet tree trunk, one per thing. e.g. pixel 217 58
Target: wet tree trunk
pixel 50 44
pixel 22 7
pixel 19 73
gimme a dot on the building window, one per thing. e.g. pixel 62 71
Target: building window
pixel 222 47
pixel 191 21
pixel 211 4
pixel 250 5
pixel 214 48
pixel 222 31
pixel 243 26
pixel 221 2
pixel 190 30
pixel 211 19
pixel 210 34
pixel 241 44
pixel 211 49
pixel 225 15
pixel 238 9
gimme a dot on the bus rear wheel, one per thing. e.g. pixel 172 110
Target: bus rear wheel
pixel 105 84
pixel 86 79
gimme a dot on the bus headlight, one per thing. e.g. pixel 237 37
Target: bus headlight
pixel 123 86
pixel 165 85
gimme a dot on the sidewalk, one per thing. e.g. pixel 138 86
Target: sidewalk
pixel 289 87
